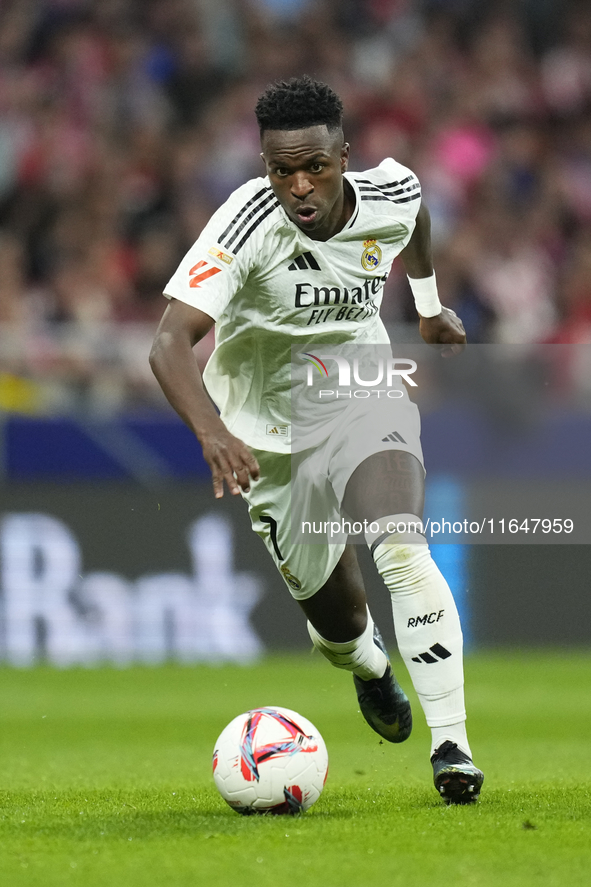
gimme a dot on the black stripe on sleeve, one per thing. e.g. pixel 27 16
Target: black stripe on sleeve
pixel 394 195
pixel 403 182
pixel 254 225
pixel 254 211
pixel 239 215
pixel 401 190
pixel 388 184
pixel 414 196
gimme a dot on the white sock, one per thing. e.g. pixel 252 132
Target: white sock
pixel 455 733
pixel 362 656
pixel 427 630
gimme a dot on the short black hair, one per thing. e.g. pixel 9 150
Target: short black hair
pixel 297 104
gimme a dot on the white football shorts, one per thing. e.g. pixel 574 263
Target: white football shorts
pixel 295 506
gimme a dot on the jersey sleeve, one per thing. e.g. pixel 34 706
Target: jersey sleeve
pixel 217 265
pixel 401 186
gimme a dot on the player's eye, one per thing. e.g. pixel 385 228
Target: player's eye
pixel 281 172
pixel 317 167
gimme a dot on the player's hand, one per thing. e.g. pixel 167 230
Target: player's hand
pixel 444 329
pixel 230 460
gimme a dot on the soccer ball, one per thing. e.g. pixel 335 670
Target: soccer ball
pixel 270 760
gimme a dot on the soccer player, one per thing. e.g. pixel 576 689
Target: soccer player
pixel 267 270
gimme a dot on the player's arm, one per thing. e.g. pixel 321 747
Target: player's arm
pixel 442 326
pixel 174 365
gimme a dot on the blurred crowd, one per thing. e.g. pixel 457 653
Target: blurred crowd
pixel 125 123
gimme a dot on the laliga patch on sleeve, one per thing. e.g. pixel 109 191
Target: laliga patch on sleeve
pixel 222 256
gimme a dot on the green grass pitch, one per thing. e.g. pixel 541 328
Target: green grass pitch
pixel 106 780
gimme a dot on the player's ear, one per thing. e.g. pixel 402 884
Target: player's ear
pixel 345 157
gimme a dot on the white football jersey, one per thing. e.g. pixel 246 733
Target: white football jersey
pixel 269 286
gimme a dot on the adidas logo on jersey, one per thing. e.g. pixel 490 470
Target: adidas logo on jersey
pixel 304 262
pixel 438 651
pixel 393 437
pixel 280 430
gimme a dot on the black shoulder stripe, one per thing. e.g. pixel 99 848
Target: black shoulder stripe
pixel 388 184
pixel 397 184
pixel 373 184
pixel 239 215
pixel 254 225
pixel 383 189
pixel 400 184
pixel 239 226
pixel 391 194
pixel 398 191
pixel 375 193
pixel 414 196
pixel 403 182
pixel 372 189
pixel 254 211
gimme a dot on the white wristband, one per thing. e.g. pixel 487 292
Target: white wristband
pixel 424 289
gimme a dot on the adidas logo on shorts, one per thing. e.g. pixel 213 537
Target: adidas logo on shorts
pixel 393 437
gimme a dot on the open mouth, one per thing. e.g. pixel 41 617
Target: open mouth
pixel 306 214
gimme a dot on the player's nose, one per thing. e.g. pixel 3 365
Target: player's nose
pixel 301 186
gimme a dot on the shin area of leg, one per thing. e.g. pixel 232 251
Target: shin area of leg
pixel 427 625
pixel 361 655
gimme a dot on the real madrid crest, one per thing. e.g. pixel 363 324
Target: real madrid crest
pixel 371 256
pixel 290 578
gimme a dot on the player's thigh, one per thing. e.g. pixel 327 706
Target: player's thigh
pixel 388 482
pixel 376 465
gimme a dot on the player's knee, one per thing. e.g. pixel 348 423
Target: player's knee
pixel 395 529
pixel 357 619
pixel 400 550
